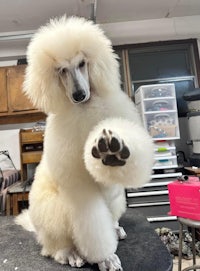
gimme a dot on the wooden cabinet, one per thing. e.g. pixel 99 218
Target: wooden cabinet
pixel 31 148
pixel 15 107
pixel 3 92
pixel 18 102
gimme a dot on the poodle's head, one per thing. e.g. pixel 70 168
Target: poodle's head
pixel 69 60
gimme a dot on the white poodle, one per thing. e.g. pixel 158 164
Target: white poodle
pixel 94 144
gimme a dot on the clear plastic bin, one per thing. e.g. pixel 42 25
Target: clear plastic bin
pixel 165 162
pixel 155 91
pixel 162 125
pixel 159 105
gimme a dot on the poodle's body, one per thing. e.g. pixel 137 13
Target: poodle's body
pixel 94 144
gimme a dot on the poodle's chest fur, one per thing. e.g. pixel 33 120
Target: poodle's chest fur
pixel 65 137
pixel 66 133
pixel 69 131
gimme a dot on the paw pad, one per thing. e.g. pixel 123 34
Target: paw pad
pixel 110 149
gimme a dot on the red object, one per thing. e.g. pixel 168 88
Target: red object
pixel 184 197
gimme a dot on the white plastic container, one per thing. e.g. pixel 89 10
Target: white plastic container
pixel 158 108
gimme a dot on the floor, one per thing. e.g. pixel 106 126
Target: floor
pixel 185 263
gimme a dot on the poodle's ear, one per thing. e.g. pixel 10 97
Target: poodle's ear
pixel 34 88
pixel 104 73
pixel 41 85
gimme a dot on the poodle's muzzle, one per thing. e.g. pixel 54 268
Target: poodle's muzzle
pixel 81 86
pixel 76 84
pixel 79 96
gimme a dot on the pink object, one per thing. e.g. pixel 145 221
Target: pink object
pixel 184 197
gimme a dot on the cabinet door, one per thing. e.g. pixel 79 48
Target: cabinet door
pixel 3 92
pixel 17 100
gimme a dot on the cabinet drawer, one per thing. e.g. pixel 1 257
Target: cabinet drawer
pixel 30 137
pixel 31 157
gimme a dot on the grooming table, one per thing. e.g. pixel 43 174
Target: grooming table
pixel 142 250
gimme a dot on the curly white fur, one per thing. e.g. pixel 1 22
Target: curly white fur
pixel 76 200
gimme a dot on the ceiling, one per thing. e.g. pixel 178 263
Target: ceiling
pixel 23 15
pixel 119 19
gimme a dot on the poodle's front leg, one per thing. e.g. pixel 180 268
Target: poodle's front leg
pixel 94 232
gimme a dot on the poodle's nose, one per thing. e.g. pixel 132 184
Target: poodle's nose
pixel 79 96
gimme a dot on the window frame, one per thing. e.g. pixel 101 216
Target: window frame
pixel 144 47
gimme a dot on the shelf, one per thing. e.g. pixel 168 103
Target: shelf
pixel 159 98
pixel 165 138
pixel 165 167
pixel 28 136
pixel 166 175
pixel 165 157
pixel 148 204
pixel 159 112
pixel 157 184
pixel 147 194
pixel 161 218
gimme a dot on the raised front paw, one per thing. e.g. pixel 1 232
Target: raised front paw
pixel 112 263
pixel 110 149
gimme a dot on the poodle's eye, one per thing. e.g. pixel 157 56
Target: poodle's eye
pixel 82 64
pixel 62 70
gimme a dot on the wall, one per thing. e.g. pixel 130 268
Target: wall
pixel 9 140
